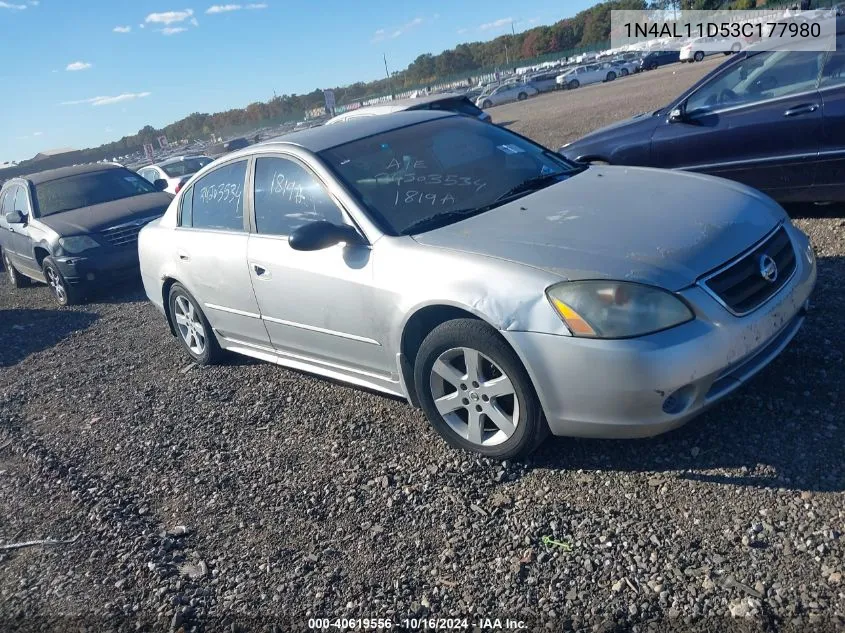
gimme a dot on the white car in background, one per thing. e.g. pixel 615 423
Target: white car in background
pixel 447 102
pixel 587 74
pixel 507 93
pixel 176 171
pixel 697 49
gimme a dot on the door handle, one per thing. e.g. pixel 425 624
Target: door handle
pixel 183 256
pixel 260 271
pixel 806 108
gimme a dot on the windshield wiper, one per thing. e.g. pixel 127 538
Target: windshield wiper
pixel 532 184
pixel 441 219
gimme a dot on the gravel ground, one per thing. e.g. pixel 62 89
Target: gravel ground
pixel 251 498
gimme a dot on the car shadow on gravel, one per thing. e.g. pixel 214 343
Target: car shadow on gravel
pixel 784 429
pixel 25 332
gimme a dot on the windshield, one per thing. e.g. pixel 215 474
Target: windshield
pixel 85 190
pixel 441 167
pixel 185 167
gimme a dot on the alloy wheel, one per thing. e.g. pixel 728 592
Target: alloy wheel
pixel 474 396
pixel 191 327
pixel 54 280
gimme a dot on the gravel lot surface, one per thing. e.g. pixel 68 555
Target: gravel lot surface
pixel 251 498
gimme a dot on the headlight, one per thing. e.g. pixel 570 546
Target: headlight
pixel 616 309
pixel 77 243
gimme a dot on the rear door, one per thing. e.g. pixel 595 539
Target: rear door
pixel 758 122
pixel 830 176
pixel 211 254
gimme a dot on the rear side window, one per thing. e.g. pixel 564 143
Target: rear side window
pixel 186 211
pixel 217 199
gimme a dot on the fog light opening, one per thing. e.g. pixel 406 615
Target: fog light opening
pixel 679 400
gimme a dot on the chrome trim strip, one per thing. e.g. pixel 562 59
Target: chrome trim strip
pixel 312 328
pixel 315 363
pixel 750 161
pixel 213 306
pixel 702 281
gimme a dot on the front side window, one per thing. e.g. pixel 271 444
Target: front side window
pixel 288 196
pixel 767 75
pixel 418 177
pixel 833 73
pixel 89 189
pixel 217 201
pixel 9 200
pixel 22 201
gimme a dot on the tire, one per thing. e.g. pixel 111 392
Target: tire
pixel 517 426
pixel 192 328
pixel 610 76
pixel 624 72
pixel 17 280
pixel 63 292
pixel 699 55
pixel 521 96
pixel 572 85
pixel 487 104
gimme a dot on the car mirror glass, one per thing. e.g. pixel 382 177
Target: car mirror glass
pixel 15 217
pixel 160 184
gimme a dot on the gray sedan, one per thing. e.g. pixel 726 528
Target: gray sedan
pixel 501 288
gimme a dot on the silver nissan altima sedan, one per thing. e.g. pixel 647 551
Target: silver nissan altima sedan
pixel 503 289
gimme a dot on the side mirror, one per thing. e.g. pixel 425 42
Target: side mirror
pixel 678 115
pixel 316 236
pixel 15 217
pixel 160 184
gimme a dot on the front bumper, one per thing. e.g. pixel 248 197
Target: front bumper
pixel 649 385
pixel 101 266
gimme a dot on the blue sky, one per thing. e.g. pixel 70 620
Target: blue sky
pixel 78 73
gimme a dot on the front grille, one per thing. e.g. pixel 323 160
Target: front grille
pixel 127 233
pixel 741 286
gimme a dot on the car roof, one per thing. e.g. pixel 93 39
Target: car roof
pixel 397 105
pixel 64 172
pixel 317 139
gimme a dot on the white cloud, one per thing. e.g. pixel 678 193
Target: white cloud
pixel 382 34
pixel 227 8
pixel 37 133
pixel 169 17
pixel 194 22
pixel 101 101
pixel 78 66
pixel 173 30
pixel 496 24
pixel 462 31
pixel 122 29
pixel 223 8
pixel 8 5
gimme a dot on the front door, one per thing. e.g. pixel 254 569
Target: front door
pixel 758 122
pixel 830 177
pixel 211 255
pixel 317 305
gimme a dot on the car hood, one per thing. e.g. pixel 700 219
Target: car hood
pixel 632 125
pixel 651 226
pixel 101 216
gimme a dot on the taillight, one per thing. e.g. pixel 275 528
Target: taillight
pixel 181 184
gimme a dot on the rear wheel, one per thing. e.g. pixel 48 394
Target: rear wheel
pixel 522 96
pixel 572 85
pixel 610 76
pixel 64 294
pixel 699 55
pixel 475 391
pixel 192 327
pixel 17 280
pixel 487 104
pixel 624 72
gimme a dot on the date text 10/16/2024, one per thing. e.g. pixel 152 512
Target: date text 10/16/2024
pixel 417 624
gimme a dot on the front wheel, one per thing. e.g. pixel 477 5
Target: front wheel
pixel 487 104
pixel 610 76
pixel 64 294
pixel 624 72
pixel 192 327
pixel 522 96
pixel 17 280
pixel 573 84
pixel 476 393
pixel 699 55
